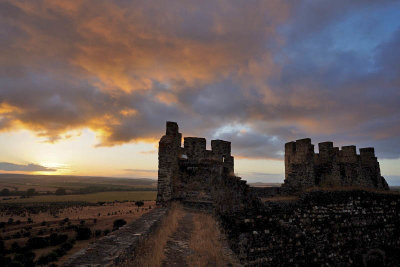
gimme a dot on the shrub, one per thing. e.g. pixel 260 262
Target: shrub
pixel 139 203
pixel 56 239
pixel 25 258
pixel 67 245
pixel 37 242
pixel 83 233
pixel 16 264
pixel 43 260
pixel 17 235
pixel 5 192
pixel 5 261
pixel 60 252
pixel 1 246
pixel 15 247
pixel 97 233
pixel 46 259
pixel 30 192
pixel 61 191
pixel 27 234
pixel 118 223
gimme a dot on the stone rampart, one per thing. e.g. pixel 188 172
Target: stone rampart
pixel 120 245
pixel 339 228
pixel 330 167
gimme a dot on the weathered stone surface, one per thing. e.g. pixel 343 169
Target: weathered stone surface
pixel 339 228
pixel 120 245
pixel 330 167
pixel 190 172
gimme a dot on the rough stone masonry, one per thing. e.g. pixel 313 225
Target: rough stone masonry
pixel 185 173
pixel 317 228
pixel 330 167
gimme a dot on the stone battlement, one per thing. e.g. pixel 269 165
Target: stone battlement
pixel 341 228
pixel 330 167
pixel 187 171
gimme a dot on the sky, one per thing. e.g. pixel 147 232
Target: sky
pixel 87 86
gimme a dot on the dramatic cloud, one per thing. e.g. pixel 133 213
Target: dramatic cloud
pixel 258 73
pixel 6 166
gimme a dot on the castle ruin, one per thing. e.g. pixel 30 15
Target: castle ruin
pixel 330 167
pixel 186 173
pixel 190 173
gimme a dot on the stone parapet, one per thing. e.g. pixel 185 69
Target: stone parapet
pixel 119 245
pixel 330 167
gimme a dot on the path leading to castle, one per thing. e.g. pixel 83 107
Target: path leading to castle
pixel 177 249
pixel 185 237
pixel 197 241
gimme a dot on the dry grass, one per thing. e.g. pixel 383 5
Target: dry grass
pixel 108 214
pixel 350 188
pixel 92 198
pixel 280 198
pixel 151 252
pixel 207 244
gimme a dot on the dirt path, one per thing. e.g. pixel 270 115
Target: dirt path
pixel 177 249
pixel 186 238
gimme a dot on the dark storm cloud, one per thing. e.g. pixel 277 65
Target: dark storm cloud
pixel 274 70
pixel 252 144
pixel 6 166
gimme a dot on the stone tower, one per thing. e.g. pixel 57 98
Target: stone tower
pixel 330 167
pixel 168 157
pixel 187 172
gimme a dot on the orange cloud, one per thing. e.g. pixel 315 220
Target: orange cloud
pixel 123 50
pixel 122 68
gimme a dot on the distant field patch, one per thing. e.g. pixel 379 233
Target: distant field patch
pixel 95 197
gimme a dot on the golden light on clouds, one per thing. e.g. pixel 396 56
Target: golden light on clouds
pixel 120 69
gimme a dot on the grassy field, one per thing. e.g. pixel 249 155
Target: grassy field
pixel 93 198
pixel 73 184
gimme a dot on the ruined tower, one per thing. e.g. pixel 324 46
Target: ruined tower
pixel 187 172
pixel 168 154
pixel 330 167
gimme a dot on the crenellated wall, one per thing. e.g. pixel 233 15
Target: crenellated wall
pixel 330 167
pixel 333 228
pixel 187 172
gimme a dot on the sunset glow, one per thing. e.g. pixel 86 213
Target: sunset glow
pixel 87 86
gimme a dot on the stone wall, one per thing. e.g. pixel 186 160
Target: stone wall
pixel 119 246
pixel 337 228
pixel 265 192
pixel 343 228
pixel 330 167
